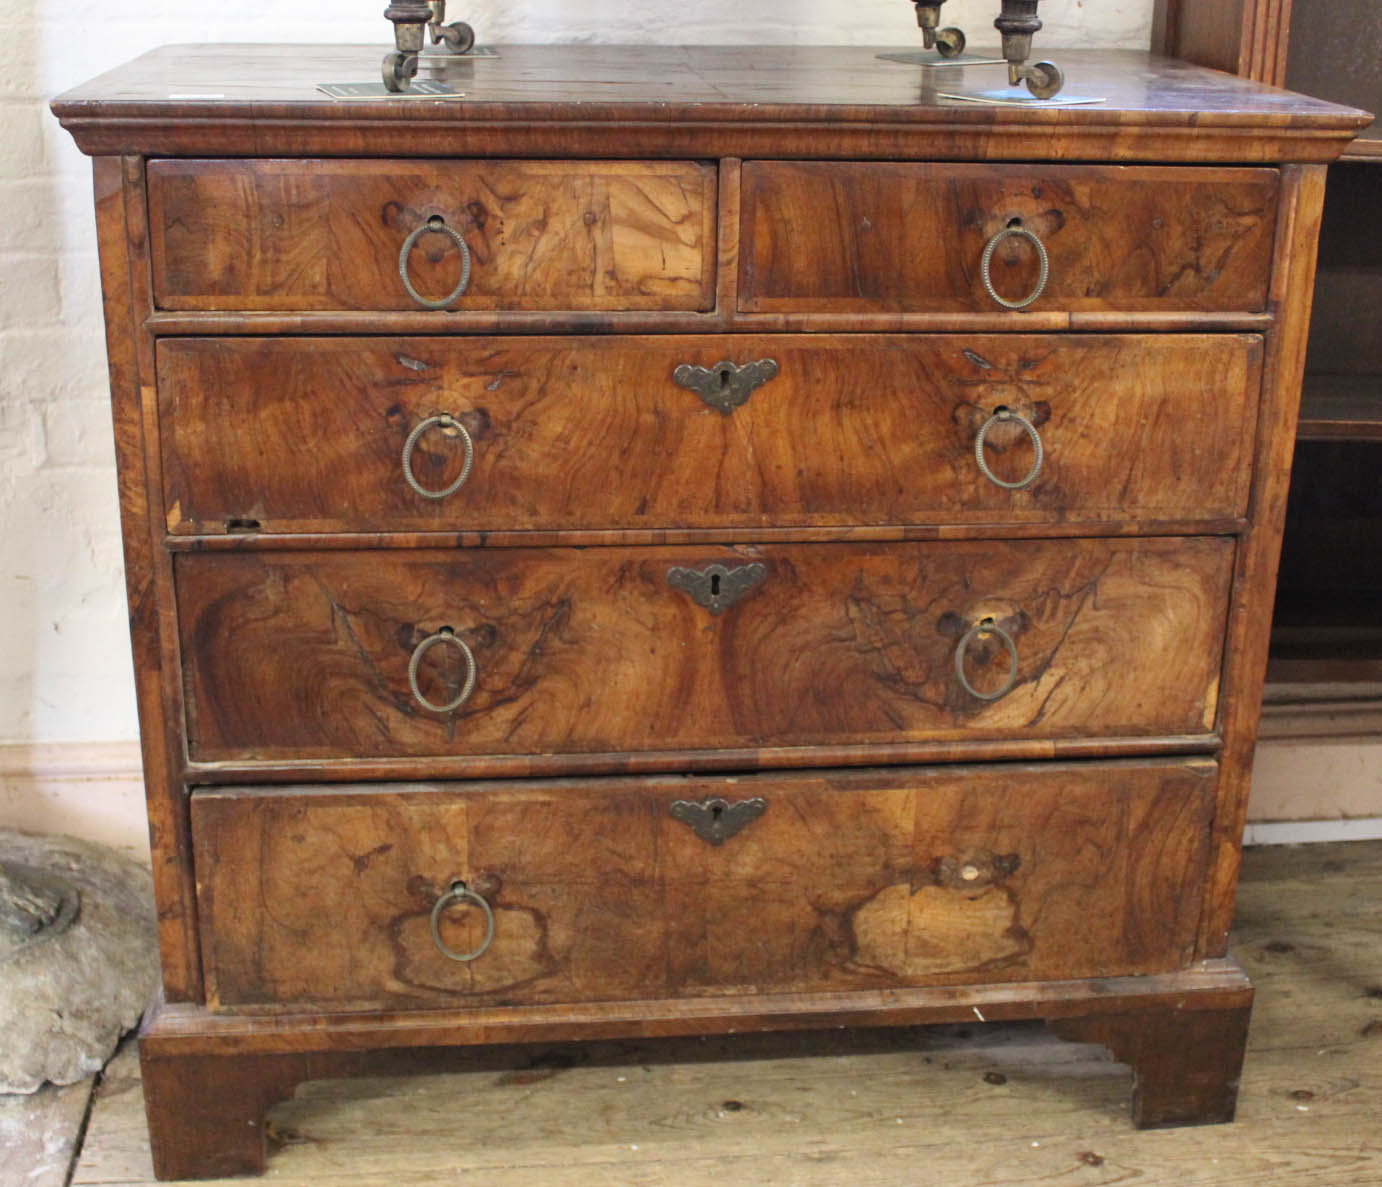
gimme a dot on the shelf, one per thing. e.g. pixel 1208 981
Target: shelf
pixel 1366 148
pixel 1340 407
pixel 1305 711
pixel 1311 654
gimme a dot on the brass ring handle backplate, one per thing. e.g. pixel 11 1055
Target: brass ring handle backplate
pixel 459 892
pixel 999 416
pixel 444 636
pixel 439 225
pixel 986 263
pixel 986 627
pixel 446 421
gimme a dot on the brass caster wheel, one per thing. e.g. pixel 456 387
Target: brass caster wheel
pixel 398 69
pixel 1045 80
pixel 458 37
pixel 950 43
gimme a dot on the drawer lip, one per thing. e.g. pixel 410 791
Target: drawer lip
pixel 1135 830
pixel 277 772
pixel 270 640
pixel 804 450
pixel 363 210
pixel 895 207
pixel 173 324
pixel 1202 761
pixel 883 533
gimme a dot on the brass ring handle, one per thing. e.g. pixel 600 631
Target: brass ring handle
pixel 449 422
pixel 999 416
pixel 986 627
pixel 445 635
pixel 440 225
pixel 986 262
pixel 461 893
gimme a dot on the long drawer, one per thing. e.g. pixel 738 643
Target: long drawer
pixel 325 898
pixel 744 431
pixel 342 655
pixel 343 235
pixel 860 237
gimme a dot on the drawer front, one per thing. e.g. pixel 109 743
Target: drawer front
pixel 313 655
pixel 622 433
pixel 324 898
pixel 330 235
pixel 899 237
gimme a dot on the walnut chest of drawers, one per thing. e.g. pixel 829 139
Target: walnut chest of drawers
pixel 693 540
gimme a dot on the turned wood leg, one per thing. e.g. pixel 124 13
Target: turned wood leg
pixel 1185 1062
pixel 206 1112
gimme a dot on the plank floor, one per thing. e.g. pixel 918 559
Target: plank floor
pixel 983 1105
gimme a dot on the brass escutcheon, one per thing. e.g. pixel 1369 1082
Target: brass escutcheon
pixel 726 385
pixel 716 819
pixel 716 587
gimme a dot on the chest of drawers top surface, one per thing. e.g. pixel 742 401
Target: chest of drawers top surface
pixel 701 100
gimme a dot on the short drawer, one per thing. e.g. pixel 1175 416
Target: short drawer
pixel 343 235
pixel 324 898
pixel 819 236
pixel 487 434
pixel 604 651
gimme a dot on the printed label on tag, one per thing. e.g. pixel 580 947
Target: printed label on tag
pixel 420 88
pixel 1020 99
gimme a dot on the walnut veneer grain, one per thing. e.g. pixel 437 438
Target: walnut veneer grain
pixel 328 234
pixel 910 236
pixel 306 655
pixel 594 433
pixel 320 898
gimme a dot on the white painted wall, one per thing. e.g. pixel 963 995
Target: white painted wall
pixel 63 645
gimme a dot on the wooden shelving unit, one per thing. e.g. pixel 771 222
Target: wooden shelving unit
pixel 1327 631
pixel 1341 408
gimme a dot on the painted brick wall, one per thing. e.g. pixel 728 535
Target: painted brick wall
pixel 63 646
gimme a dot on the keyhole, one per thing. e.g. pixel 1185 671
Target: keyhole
pixel 724 378
pixel 716 811
pixel 714 585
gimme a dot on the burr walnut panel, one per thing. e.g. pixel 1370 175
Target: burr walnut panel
pixel 911 236
pixel 597 432
pixel 306 655
pixel 322 898
pixel 327 235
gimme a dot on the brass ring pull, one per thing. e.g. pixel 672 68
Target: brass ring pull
pixel 447 421
pixel 445 635
pixel 1009 233
pixel 999 416
pixel 461 893
pixel 986 627
pixel 440 225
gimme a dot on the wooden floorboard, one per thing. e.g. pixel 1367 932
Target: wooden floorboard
pixel 960 1105
pixel 40 1134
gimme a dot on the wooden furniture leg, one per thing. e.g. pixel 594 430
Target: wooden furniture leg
pixel 1186 1062
pixel 206 1112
